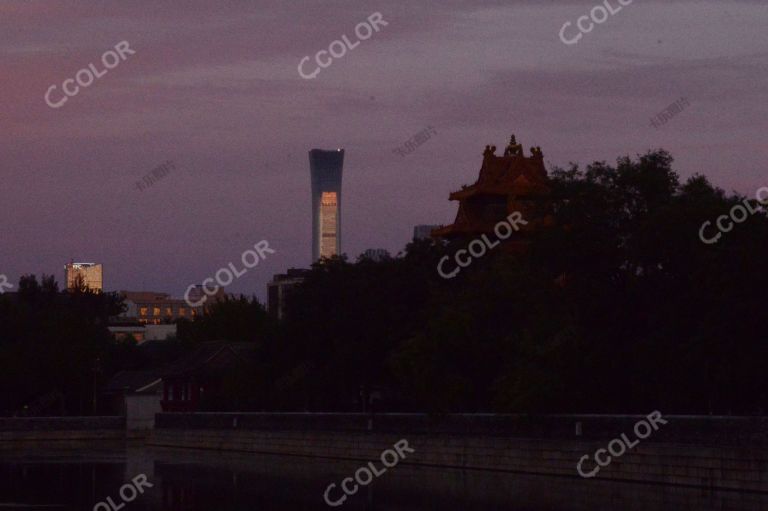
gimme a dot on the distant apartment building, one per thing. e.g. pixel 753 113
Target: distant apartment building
pixel 89 274
pixel 423 232
pixel 375 254
pixel 147 307
pixel 325 171
pixel 279 288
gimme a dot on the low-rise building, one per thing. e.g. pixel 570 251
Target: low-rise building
pixel 423 232
pixel 376 255
pixel 134 394
pixel 197 381
pixel 149 307
pixel 142 332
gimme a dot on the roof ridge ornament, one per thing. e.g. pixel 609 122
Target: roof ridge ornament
pixel 513 149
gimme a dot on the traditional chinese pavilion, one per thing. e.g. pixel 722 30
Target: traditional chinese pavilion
pixel 507 183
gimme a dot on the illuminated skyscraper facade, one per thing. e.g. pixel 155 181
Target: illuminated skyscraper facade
pixel 325 168
pixel 88 274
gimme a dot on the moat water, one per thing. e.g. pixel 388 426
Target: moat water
pixel 189 480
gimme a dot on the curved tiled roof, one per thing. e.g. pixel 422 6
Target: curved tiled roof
pixel 502 182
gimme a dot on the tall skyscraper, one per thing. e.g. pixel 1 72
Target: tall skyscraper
pixel 89 274
pixel 325 169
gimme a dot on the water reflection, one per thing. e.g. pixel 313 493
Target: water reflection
pixel 184 480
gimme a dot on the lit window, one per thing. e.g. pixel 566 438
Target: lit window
pixel 155 311
pixel 182 311
pixel 143 311
pixel 168 311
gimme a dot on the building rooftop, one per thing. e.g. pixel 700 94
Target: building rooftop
pixel 132 381
pixel 213 356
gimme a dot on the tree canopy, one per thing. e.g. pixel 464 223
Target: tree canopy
pixel 618 307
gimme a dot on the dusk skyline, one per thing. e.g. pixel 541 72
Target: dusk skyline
pixel 215 90
pixel 454 254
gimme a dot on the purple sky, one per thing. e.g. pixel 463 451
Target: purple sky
pixel 214 87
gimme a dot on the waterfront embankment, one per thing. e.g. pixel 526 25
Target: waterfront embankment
pixel 708 452
pixel 64 431
pixel 705 452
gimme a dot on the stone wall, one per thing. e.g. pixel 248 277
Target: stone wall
pixel 446 488
pixel 140 411
pixel 32 431
pixel 709 452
